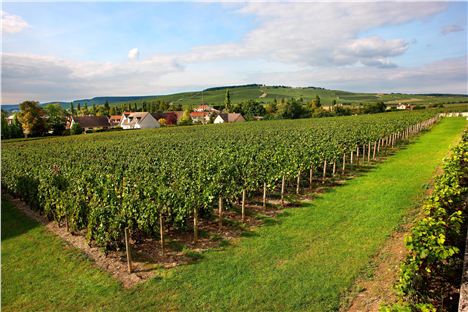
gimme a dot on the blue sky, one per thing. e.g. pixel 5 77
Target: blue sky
pixel 64 51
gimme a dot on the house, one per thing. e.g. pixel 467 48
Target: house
pixel 170 117
pixel 91 122
pixel 206 108
pixel 115 120
pixel 10 119
pixel 231 117
pixel 138 120
pixel 201 117
pixel 404 106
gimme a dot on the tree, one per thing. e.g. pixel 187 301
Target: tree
pixel 227 102
pixel 317 101
pixel 56 118
pixel 72 110
pixel 93 112
pixel 76 128
pixel 5 126
pixel 78 109
pixel 113 111
pixel 106 107
pixel 85 110
pixel 272 107
pixel 32 118
pixel 162 121
pixel 185 119
pixel 292 109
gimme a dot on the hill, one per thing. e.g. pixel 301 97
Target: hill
pixel 239 93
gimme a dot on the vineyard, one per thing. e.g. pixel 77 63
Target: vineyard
pixel 147 180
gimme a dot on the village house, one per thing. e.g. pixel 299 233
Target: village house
pixel 10 119
pixel 206 108
pixel 138 120
pixel 171 118
pixel 200 117
pixel 91 122
pixel 404 106
pixel 115 120
pixel 228 118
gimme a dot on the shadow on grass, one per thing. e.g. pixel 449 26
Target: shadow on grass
pixel 14 223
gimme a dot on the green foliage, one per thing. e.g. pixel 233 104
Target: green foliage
pixel 436 241
pixel 185 119
pixel 180 169
pixel 76 128
pixel 32 118
pixel 56 118
pixel 250 109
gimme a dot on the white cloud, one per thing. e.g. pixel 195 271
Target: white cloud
pixel 445 76
pixel 322 34
pixel 295 43
pixel 133 54
pixel 49 78
pixel 12 23
pixel 450 29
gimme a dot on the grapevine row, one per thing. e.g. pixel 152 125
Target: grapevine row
pixel 107 182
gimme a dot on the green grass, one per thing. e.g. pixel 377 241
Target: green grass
pixel 304 262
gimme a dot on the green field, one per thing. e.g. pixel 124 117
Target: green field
pixel 306 262
pixel 216 97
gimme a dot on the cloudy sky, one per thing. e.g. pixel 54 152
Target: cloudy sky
pixel 65 51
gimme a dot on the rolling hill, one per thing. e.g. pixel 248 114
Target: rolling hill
pixel 215 96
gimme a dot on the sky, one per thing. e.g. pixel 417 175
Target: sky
pixel 61 51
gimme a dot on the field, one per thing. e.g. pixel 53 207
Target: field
pixel 307 261
pixel 268 94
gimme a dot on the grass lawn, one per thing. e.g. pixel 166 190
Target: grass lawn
pixel 305 262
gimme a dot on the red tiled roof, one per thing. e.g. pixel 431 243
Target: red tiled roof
pixel 199 114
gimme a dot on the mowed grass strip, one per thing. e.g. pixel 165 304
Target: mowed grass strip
pixel 304 263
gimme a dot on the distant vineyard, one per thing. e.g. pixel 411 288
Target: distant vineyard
pixel 106 182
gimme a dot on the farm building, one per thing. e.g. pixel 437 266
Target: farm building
pixel 231 117
pixel 138 120
pixel 91 122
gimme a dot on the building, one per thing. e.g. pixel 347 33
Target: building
pixel 10 119
pixel 228 118
pixel 91 122
pixel 115 120
pixel 200 117
pixel 138 120
pixel 404 106
pixel 206 108
pixel 170 117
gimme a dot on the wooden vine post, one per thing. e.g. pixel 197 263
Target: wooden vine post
pixel 357 155
pixel 351 160
pixel 368 152
pixel 311 176
pixel 298 182
pixel 344 164
pixel 324 171
pixel 161 232
pixel 220 212
pixel 195 225
pixel 243 204
pixel 283 181
pixel 334 167
pixel 264 195
pixel 129 252
pixel 375 150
